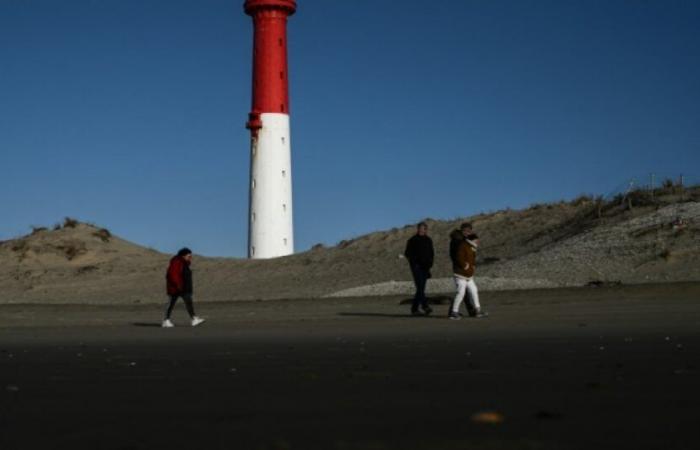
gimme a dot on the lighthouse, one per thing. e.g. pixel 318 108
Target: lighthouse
pixel 270 225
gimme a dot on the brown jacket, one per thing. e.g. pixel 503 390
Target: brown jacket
pixel 463 255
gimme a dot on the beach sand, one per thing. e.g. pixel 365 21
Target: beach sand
pixel 611 367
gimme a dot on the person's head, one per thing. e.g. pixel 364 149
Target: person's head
pixel 466 228
pixel 185 253
pixel 422 229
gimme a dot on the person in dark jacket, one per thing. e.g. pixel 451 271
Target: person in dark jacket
pixel 179 284
pixel 419 252
pixel 463 245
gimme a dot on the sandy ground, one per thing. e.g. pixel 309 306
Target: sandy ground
pixel 581 368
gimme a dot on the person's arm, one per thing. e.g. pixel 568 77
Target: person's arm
pixel 431 255
pixel 462 257
pixel 175 274
pixel 471 261
pixel 409 252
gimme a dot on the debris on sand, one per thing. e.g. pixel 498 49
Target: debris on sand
pixel 488 417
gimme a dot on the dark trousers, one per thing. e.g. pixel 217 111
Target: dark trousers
pixel 420 278
pixel 187 298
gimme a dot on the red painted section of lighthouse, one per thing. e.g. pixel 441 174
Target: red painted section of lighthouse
pixel 270 73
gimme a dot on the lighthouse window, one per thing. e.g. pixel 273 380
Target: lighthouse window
pixel 283 140
pixel 282 107
pixel 284 172
pixel 253 183
pixel 281 42
pixel 253 217
pixel 284 207
pixel 281 75
pixel 285 241
pixel 252 250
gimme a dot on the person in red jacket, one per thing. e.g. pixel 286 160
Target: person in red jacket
pixel 179 284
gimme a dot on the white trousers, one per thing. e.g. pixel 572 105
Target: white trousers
pixel 465 285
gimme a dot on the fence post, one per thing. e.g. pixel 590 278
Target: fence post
pixel 627 195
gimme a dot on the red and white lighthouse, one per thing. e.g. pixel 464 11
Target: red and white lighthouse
pixel 270 229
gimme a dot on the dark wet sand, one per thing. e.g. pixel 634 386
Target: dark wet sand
pixel 580 369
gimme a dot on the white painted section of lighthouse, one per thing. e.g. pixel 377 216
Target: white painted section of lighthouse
pixel 271 229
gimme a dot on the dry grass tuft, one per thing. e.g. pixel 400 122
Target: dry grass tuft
pixel 20 246
pixel 72 250
pixel 581 200
pixel 86 269
pixel 103 233
pixel 345 243
pixel 70 223
pixel 36 230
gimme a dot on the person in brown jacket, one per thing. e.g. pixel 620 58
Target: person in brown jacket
pixel 463 245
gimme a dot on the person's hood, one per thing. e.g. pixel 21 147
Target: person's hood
pixel 457 235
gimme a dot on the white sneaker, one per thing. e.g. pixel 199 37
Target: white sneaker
pixel 197 320
pixel 167 324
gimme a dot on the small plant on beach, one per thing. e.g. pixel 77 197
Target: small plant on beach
pixel 665 254
pixel 345 243
pixel 86 269
pixel 103 233
pixel 634 199
pixel 20 246
pixel 581 200
pixel 70 223
pixel 72 250
pixel 36 230
pixel 642 198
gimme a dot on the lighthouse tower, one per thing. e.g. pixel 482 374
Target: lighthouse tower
pixel 270 226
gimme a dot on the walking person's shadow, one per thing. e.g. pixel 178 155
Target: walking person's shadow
pixel 437 300
pixel 399 316
pixel 147 324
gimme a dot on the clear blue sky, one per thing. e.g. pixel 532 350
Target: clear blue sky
pixel 130 113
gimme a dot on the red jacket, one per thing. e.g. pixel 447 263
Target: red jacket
pixel 178 277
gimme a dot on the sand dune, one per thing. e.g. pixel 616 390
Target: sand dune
pixel 554 245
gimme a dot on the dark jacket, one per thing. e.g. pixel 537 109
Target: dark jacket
pixel 178 277
pixel 419 251
pixel 462 255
